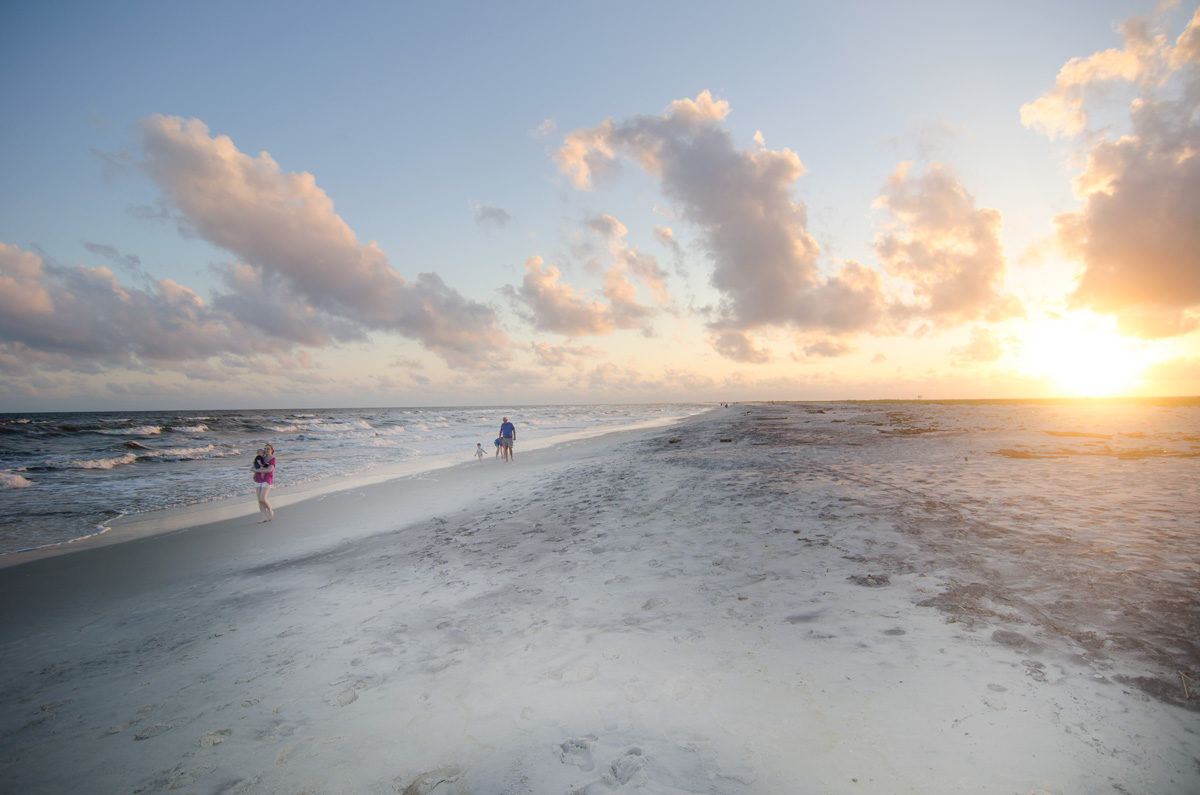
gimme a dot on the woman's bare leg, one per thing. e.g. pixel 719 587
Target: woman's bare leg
pixel 264 507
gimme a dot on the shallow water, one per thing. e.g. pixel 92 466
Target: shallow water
pixel 66 476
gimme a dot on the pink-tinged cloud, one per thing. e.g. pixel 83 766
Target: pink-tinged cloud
pixel 87 313
pixel 558 355
pixel 947 249
pixel 1137 234
pixel 554 305
pixel 827 349
pixel 1139 238
pixel 644 267
pixel 739 347
pixel 284 225
pixel 765 260
pixel 1062 111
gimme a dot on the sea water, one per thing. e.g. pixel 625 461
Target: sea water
pixel 66 476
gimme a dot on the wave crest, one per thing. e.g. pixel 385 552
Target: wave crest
pixel 11 480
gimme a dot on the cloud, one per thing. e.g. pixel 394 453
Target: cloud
pixel 666 236
pixel 947 249
pixel 487 215
pixel 609 377
pixel 284 225
pixel 687 382
pixel 546 128
pixel 88 313
pixel 269 304
pixel 643 266
pixel 130 262
pixel 558 355
pixel 558 307
pixel 983 347
pixel 621 293
pixel 736 345
pixel 606 226
pixel 1062 110
pixel 1137 233
pixel 765 261
pixel 827 349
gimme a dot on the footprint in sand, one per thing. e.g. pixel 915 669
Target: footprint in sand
pixel 577 751
pixel 341 698
pixel 120 727
pixel 1035 670
pixel 214 738
pixel 153 731
pixel 429 781
pixel 627 766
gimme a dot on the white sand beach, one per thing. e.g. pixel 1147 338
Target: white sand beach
pixel 695 609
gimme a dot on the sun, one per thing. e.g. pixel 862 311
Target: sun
pixel 1082 354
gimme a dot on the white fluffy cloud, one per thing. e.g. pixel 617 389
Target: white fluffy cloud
pixel 1137 233
pixel 1062 111
pixel 556 306
pixel 283 225
pixel 765 260
pixel 945 247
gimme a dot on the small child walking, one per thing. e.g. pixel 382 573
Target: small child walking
pixel 479 452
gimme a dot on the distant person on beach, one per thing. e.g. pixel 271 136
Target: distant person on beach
pixel 508 435
pixel 497 447
pixel 264 478
pixel 479 452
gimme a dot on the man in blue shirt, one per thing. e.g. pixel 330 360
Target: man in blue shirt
pixel 508 435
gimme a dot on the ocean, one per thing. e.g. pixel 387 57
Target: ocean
pixel 67 476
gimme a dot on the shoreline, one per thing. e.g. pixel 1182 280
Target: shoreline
pixel 132 527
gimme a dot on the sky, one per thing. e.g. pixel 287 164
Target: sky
pixel 242 205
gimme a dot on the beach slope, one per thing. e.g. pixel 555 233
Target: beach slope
pixel 718 607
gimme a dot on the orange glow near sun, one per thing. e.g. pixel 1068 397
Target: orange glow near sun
pixel 1082 354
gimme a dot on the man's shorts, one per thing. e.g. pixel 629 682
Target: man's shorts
pixel 506 442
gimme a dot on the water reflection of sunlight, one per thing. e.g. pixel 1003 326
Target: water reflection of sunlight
pixel 1083 355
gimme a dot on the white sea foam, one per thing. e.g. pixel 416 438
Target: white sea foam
pixel 142 430
pixel 208 451
pixel 11 480
pixel 201 428
pixel 104 463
